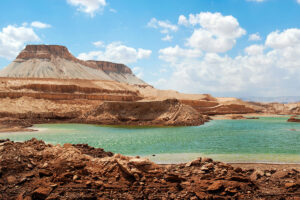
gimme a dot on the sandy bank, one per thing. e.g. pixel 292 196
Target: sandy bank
pixel 249 115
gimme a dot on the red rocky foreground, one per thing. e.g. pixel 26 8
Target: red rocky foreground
pixel 35 170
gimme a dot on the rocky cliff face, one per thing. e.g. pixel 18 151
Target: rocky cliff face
pixel 279 108
pixel 86 101
pixel 54 61
pixel 109 66
pixel 167 112
pixel 44 52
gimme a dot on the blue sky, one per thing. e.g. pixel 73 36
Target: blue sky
pixel 222 47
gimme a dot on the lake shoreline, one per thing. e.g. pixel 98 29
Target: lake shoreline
pixel 19 125
pixel 249 115
pixel 218 139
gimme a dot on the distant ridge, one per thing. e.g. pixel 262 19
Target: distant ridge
pixel 281 99
pixel 55 61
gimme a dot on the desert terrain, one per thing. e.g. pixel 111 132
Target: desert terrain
pixel 35 170
pixel 46 84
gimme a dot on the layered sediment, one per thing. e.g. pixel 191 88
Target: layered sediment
pixel 168 112
pixel 35 170
pixel 282 109
pixel 160 113
pixel 44 100
pixel 55 61
pixel 46 83
pixel 40 100
pixel 87 101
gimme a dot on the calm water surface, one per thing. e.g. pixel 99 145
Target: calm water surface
pixel 267 139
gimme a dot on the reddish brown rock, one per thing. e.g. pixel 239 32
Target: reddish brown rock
pixel 106 176
pixel 41 193
pixel 293 119
pixel 216 186
pixel 11 179
pixel 47 51
pixel 168 112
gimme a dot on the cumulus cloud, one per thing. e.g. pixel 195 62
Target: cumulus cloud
pixel 88 6
pixel 254 37
pixel 174 54
pixel 13 39
pixel 165 27
pixel 37 24
pixel 268 70
pixel 182 20
pixel 217 33
pixel 287 38
pixel 117 52
pixel 255 49
pixel 98 44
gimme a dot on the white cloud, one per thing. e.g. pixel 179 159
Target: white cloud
pixel 206 41
pixel 88 6
pixel 219 25
pixel 254 37
pixel 165 26
pixel 217 33
pixel 167 38
pixel 117 52
pixel 142 53
pixel 272 71
pixel 37 24
pixel 254 50
pixel 298 1
pixel 182 20
pixel 174 54
pixel 286 48
pixel 287 38
pixel 13 39
pixel 99 44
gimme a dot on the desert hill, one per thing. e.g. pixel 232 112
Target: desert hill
pixel 47 84
pixel 54 61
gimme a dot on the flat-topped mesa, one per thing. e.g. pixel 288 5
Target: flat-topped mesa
pixel 45 52
pixel 49 51
pixel 55 61
pixel 109 66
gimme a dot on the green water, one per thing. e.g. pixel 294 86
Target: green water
pixel 267 139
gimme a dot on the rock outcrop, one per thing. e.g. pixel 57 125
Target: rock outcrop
pixel 168 112
pixel 54 61
pixel 86 101
pixel 282 109
pixel 43 100
pixel 35 170
pixel 294 119
pixel 217 108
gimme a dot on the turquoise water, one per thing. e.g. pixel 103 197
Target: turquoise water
pixel 267 139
